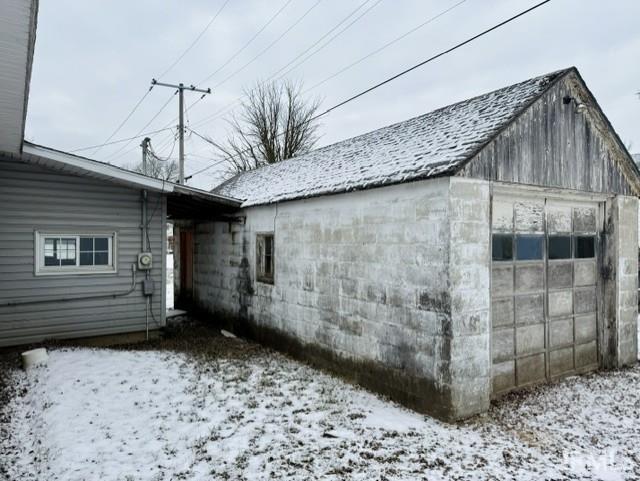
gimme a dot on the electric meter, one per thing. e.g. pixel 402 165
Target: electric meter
pixel 145 261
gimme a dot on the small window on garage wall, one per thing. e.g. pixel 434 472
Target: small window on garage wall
pixel 264 257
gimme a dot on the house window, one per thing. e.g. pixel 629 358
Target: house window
pixel 94 251
pixel 74 253
pixel 60 251
pixel 264 258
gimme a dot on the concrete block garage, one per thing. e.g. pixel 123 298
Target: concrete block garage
pixel 445 260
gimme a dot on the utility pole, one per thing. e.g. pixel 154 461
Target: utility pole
pixel 145 149
pixel 181 88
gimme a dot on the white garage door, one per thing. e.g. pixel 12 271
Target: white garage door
pixel 544 290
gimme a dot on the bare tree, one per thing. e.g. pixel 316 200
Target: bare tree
pixel 275 123
pixel 159 168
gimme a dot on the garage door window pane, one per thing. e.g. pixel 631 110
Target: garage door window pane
pixel 502 247
pixel 559 247
pixel 528 247
pixel 585 247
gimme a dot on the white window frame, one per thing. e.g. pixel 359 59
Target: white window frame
pixel 42 270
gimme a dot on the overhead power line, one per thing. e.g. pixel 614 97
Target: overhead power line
pixel 329 32
pixel 119 141
pixel 245 46
pixel 218 113
pixel 331 39
pixel 174 121
pixel 135 107
pixel 167 70
pixel 168 126
pixel 241 49
pixel 225 108
pixel 211 165
pixel 431 59
pixel 268 47
pixel 114 154
pixel 392 78
pixel 385 46
pixel 168 157
pixel 195 41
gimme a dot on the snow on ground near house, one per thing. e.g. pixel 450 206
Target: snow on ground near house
pixel 160 415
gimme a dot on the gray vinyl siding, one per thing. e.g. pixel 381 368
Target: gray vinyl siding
pixel 17 37
pixel 36 199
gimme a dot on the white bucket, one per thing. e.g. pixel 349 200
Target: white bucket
pixel 34 357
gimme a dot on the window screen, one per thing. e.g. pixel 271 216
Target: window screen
pixel 559 247
pixel 585 246
pixel 502 247
pixel 529 247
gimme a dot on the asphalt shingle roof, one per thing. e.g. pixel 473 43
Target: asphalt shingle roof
pixel 433 144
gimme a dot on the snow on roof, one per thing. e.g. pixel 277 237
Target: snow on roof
pixel 436 143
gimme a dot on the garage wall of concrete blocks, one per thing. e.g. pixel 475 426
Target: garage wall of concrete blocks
pixel 371 276
pixel 626 242
pixel 469 267
pixel 217 261
pixel 401 276
pixel 363 275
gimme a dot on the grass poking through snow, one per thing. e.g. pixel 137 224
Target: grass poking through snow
pixel 199 406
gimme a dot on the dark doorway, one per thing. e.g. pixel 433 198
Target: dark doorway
pixel 186 268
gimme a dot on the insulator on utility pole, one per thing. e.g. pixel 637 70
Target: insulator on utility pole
pixel 181 88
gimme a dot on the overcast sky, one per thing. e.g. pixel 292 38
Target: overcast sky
pixel 94 60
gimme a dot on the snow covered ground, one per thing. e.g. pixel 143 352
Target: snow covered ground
pixel 160 415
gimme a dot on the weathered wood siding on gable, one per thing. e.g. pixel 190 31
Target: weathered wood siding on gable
pixel 33 198
pixel 552 144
